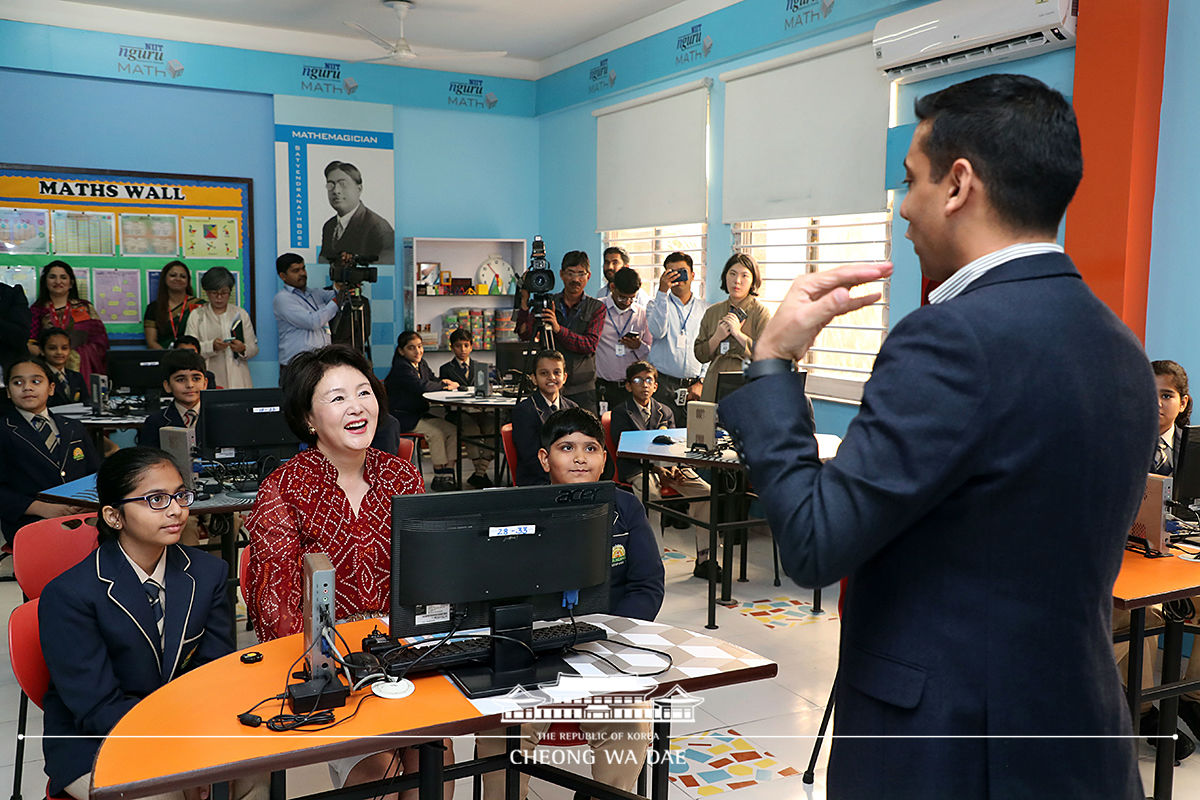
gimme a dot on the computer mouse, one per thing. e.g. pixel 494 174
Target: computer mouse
pixel 663 439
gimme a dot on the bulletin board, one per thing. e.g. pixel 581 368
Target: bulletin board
pixel 118 229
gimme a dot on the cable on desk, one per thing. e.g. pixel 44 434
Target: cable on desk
pixel 610 642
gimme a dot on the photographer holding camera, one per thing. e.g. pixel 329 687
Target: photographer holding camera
pixel 573 319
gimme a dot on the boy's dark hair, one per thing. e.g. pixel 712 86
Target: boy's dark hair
pixel 303 374
pixel 45 334
pixel 286 260
pixel 180 361
pixel 621 251
pixel 1021 138
pixel 678 255
pixel 460 335
pixel 118 477
pixel 637 368
pixel 571 420
pixel 186 339
pixel 1179 377
pixel 550 355
pixel 37 362
pixel 749 263
pixel 627 281
pixel 403 339
pixel 576 258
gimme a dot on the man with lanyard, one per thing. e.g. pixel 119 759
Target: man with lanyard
pixel 673 321
pixel 623 339
pixel 302 316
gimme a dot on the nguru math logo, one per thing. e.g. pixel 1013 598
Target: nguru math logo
pixel 148 60
pixel 692 46
pixel 806 12
pixel 600 77
pixel 326 79
pixel 469 94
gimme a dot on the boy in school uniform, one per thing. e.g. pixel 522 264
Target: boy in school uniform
pixel 461 370
pixel 549 376
pixel 186 342
pixel 573 451
pixel 38 449
pixel 68 385
pixel 641 412
pixel 184 380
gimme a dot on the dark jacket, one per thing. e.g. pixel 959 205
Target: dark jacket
pixel 103 651
pixel 72 389
pixel 1176 446
pixel 28 468
pixel 527 418
pixel 406 386
pixel 148 435
pixel 959 523
pixel 387 434
pixel 638 577
pixel 16 319
pixel 452 371
pixel 627 417
pixel 368 234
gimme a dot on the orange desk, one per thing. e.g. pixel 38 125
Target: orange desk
pixel 187 733
pixel 1143 582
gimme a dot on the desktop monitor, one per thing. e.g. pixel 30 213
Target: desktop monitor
pixel 515 357
pixel 462 560
pixel 728 383
pixel 243 425
pixel 1186 489
pixel 137 372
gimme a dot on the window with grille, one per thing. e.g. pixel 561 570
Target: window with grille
pixel 840 360
pixel 647 247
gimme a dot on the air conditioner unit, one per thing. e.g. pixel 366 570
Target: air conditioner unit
pixel 954 35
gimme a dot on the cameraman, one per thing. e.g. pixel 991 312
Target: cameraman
pixel 575 320
pixel 301 315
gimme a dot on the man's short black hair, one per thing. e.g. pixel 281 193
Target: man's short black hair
pixel 180 361
pixel 576 258
pixel 627 281
pixel 621 251
pixel 571 420
pixel 345 167
pixel 286 260
pixel 303 374
pixel 1021 138
pixel 460 335
pixel 677 256
pixel 639 367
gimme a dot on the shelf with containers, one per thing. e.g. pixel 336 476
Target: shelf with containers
pixel 448 267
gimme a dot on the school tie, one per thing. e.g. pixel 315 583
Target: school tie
pixel 1160 457
pixel 154 595
pixel 645 416
pixel 553 408
pixel 189 417
pixel 42 426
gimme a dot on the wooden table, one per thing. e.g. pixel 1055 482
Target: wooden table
pixel 1144 582
pixel 187 732
pixel 465 400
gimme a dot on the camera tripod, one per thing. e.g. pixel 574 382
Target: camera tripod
pixel 352 325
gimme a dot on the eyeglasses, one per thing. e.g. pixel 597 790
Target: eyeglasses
pixel 575 274
pixel 159 501
pixel 647 381
pixel 219 292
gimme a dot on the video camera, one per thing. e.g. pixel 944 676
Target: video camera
pixel 352 270
pixel 538 280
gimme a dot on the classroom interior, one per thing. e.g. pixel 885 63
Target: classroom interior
pixel 529 165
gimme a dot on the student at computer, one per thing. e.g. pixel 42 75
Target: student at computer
pixel 335 498
pixel 136 613
pixel 641 412
pixel 68 384
pixel 461 370
pixel 549 375
pixel 407 384
pixel 572 451
pixel 184 380
pixel 38 449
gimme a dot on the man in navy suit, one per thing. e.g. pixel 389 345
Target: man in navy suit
pixel 980 500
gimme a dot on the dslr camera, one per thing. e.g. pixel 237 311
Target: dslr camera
pixel 352 270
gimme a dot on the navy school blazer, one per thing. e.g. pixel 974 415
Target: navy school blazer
pixel 626 417
pixel 527 418
pixel 148 435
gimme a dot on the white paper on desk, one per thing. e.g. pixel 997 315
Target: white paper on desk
pixel 573 687
pixel 72 409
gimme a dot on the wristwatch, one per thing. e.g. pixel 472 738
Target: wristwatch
pixel 768 366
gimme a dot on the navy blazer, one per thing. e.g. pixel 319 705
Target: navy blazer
pixel 72 389
pixel 28 468
pixel 638 580
pixel 452 371
pixel 527 418
pixel 406 385
pixel 147 435
pixel 367 234
pixel 626 417
pixel 979 504
pixel 102 648
pixel 1176 445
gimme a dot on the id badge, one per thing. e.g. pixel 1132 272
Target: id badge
pixel 620 349
pixel 681 395
pixel 724 347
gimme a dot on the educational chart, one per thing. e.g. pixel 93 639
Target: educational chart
pixel 25 277
pixel 24 230
pixel 117 229
pixel 149 235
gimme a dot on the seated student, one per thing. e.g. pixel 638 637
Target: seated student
pixel 183 379
pixel 38 449
pixel 641 412
pixel 68 385
pixel 549 375
pixel 136 613
pixel 573 452
pixel 406 385
pixel 186 342
pixel 461 370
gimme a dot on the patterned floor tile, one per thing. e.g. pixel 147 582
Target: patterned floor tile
pixel 720 761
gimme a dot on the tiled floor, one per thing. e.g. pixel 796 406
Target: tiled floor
pixel 779 716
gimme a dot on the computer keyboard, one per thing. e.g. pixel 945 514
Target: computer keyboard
pixel 459 652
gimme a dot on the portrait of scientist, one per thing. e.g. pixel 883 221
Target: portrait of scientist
pixel 353 228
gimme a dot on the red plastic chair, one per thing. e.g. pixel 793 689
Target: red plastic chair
pixel 25 654
pixel 408 446
pixel 45 549
pixel 510 450
pixel 415 441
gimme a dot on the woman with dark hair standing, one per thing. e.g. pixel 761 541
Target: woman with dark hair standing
pixel 166 318
pixel 225 332
pixel 59 305
pixel 729 328
pixel 136 613
pixel 333 498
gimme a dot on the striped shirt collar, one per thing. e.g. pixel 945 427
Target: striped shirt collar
pixel 959 281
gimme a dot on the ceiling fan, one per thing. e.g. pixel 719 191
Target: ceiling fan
pixel 400 50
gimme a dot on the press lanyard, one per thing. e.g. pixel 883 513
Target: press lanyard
pixel 308 300
pixel 683 321
pixel 628 322
pixel 573 313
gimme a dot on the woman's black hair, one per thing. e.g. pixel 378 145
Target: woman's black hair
pixel 40 363
pixel 162 302
pixel 44 291
pixel 303 374
pixel 45 333
pixel 118 478
pixel 403 339
pixel 1178 376
pixel 749 263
